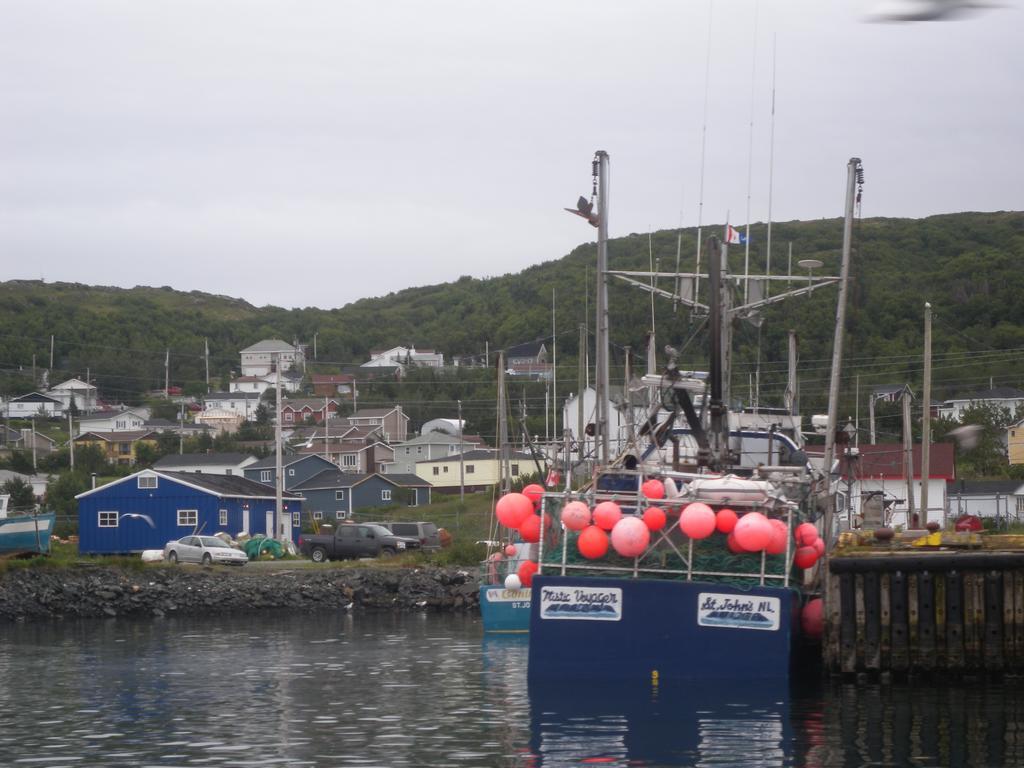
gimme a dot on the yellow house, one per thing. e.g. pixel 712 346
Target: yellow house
pixel 118 447
pixel 480 468
pixel 1015 442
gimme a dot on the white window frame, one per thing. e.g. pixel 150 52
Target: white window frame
pixel 222 518
pixel 385 494
pixel 296 519
pixel 349 460
pixel 103 519
pixel 147 487
pixel 339 495
pixel 340 514
pixel 264 475
pixel 437 471
pixel 185 515
pixel 291 472
pixel 470 469
pixel 318 515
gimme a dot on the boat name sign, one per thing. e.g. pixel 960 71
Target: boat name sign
pixel 738 611
pixel 581 603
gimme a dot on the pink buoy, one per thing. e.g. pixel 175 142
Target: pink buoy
pixel 805 534
pixel 819 546
pixel 534 493
pixel 753 532
pixel 607 514
pixel 812 618
pixel 510 550
pixel 778 539
pixel 697 521
pixel 575 515
pixel 805 557
pixel 526 571
pixel 630 537
pixel 654 518
pixel 530 529
pixel 653 489
pixel 512 509
pixel 592 542
pixel 725 520
pixel 733 545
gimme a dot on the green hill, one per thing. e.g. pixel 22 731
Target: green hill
pixel 967 265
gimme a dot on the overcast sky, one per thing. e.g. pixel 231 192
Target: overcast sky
pixel 314 153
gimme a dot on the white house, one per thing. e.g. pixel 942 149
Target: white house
pixel 33 404
pixel 259 359
pixel 1003 499
pixel 207 463
pixel 244 403
pixel 1000 397
pixel 220 421
pixel 291 381
pixel 113 420
pixel 83 394
pixel 402 356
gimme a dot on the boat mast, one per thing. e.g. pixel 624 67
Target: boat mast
pixel 854 176
pixel 602 384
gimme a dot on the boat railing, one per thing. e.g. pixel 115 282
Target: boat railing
pixel 666 542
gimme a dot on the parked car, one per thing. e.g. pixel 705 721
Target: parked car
pixel 425 533
pixel 354 540
pixel 203 549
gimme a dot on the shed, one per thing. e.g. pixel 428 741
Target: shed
pixel 147 509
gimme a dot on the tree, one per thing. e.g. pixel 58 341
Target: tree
pixel 62 489
pixel 23 498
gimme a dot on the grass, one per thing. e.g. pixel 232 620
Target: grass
pixel 467 522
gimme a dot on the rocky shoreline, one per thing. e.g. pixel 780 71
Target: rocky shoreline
pixel 103 592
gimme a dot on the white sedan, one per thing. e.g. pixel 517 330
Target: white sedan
pixel 203 549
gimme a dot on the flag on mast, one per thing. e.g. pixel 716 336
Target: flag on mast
pixel 733 236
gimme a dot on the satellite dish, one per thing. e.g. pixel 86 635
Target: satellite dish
pixel 810 263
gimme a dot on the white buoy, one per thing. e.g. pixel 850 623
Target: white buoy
pixel 512 582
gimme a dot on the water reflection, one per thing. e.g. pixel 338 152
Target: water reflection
pixel 389 690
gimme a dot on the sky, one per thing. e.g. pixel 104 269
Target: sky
pixel 315 153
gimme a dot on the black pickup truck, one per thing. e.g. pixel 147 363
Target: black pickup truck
pixel 354 540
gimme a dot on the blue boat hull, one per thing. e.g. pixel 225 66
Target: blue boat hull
pixel 504 610
pixel 26 533
pixel 658 632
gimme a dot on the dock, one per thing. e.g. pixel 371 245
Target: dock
pixel 927 602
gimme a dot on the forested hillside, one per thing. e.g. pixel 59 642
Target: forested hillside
pixel 968 265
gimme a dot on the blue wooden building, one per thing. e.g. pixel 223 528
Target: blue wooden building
pixel 297 469
pixel 335 495
pixel 149 508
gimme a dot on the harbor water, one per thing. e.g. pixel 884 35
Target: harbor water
pixel 429 690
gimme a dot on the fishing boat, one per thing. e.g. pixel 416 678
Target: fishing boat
pixel 24 534
pixel 670 565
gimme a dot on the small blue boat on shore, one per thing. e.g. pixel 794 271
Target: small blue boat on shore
pixel 26 534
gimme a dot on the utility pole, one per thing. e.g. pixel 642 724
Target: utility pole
pixel 462 460
pixel 34 467
pixel 34 380
pixel 278 462
pixel 908 455
pixel 505 470
pixel 71 437
pixel 51 354
pixel 206 354
pixel 315 334
pixel 554 369
pixel 926 423
pixel 167 373
pixel 791 396
pixel 601 361
pixel 181 428
pixel 854 176
pixel 327 429
pixel 871 416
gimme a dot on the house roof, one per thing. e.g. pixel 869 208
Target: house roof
pixel 298 403
pixel 233 396
pixel 34 397
pixel 270 462
pixel 335 478
pixel 129 436
pixel 333 378
pixel 219 485
pixel 72 384
pixel 371 413
pixel 173 460
pixel 983 487
pixel 996 393
pixel 110 413
pixel 886 460
pixel 528 349
pixel 270 345
pixel 479 454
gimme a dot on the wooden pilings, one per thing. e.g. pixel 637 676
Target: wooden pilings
pixel 926 612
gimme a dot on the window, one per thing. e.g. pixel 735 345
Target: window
pixel 296 520
pixel 291 473
pixel 349 460
pixel 223 518
pixel 382 468
pixel 264 475
pixel 1020 505
pixel 437 470
pixel 385 495
pixel 289 416
pixel 109 519
pixel 318 515
pixel 515 470
pixel 228 472
pixel 340 515
pixel 446 469
pixel 413 498
pixel 419 449
pixel 147 481
pixel 469 469
pixel 124 447
pixel 188 517
pixel 339 495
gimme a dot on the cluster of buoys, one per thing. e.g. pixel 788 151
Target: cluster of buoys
pixel 628 535
pixel 518 512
